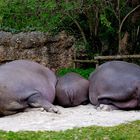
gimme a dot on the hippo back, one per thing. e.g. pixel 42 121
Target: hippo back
pixel 72 90
pixel 21 79
pixel 115 82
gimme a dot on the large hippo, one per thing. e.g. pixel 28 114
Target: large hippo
pixel 24 84
pixel 117 85
pixel 72 90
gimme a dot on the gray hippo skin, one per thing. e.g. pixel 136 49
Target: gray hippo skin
pixel 116 84
pixel 72 90
pixel 24 84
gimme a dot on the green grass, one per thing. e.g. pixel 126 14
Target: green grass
pixel 130 131
pixel 83 72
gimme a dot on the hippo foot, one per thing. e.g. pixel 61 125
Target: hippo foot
pixel 103 107
pixel 37 101
pixel 53 109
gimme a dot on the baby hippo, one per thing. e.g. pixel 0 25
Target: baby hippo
pixel 72 90
pixel 24 84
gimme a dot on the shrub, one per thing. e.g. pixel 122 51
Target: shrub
pixel 83 72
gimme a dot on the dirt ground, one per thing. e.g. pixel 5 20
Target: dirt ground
pixel 79 116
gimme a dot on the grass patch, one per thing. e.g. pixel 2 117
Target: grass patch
pixel 83 72
pixel 130 131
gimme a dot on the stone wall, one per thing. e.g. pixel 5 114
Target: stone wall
pixel 51 51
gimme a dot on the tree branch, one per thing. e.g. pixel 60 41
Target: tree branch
pixel 138 6
pixel 79 27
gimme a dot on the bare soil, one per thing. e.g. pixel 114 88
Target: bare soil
pixel 80 116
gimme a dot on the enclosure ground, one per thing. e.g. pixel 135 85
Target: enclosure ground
pixel 80 116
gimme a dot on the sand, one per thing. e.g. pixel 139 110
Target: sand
pixel 80 116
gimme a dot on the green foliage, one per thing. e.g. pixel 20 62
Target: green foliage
pixel 95 23
pixel 68 6
pixel 122 132
pixel 30 15
pixel 105 22
pixel 83 72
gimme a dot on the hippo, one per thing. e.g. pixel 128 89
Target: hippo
pixel 25 84
pixel 115 85
pixel 72 90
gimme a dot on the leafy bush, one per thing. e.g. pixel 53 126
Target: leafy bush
pixel 94 23
pixel 29 15
pixel 83 72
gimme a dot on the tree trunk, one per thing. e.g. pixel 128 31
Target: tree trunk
pixel 123 44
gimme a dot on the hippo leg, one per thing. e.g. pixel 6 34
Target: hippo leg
pixel 128 99
pixel 7 112
pixel 36 100
pixel 13 107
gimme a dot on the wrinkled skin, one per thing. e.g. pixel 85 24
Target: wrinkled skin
pixel 72 90
pixel 24 84
pixel 116 84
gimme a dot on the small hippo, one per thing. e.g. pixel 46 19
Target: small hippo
pixel 117 85
pixel 72 90
pixel 24 84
